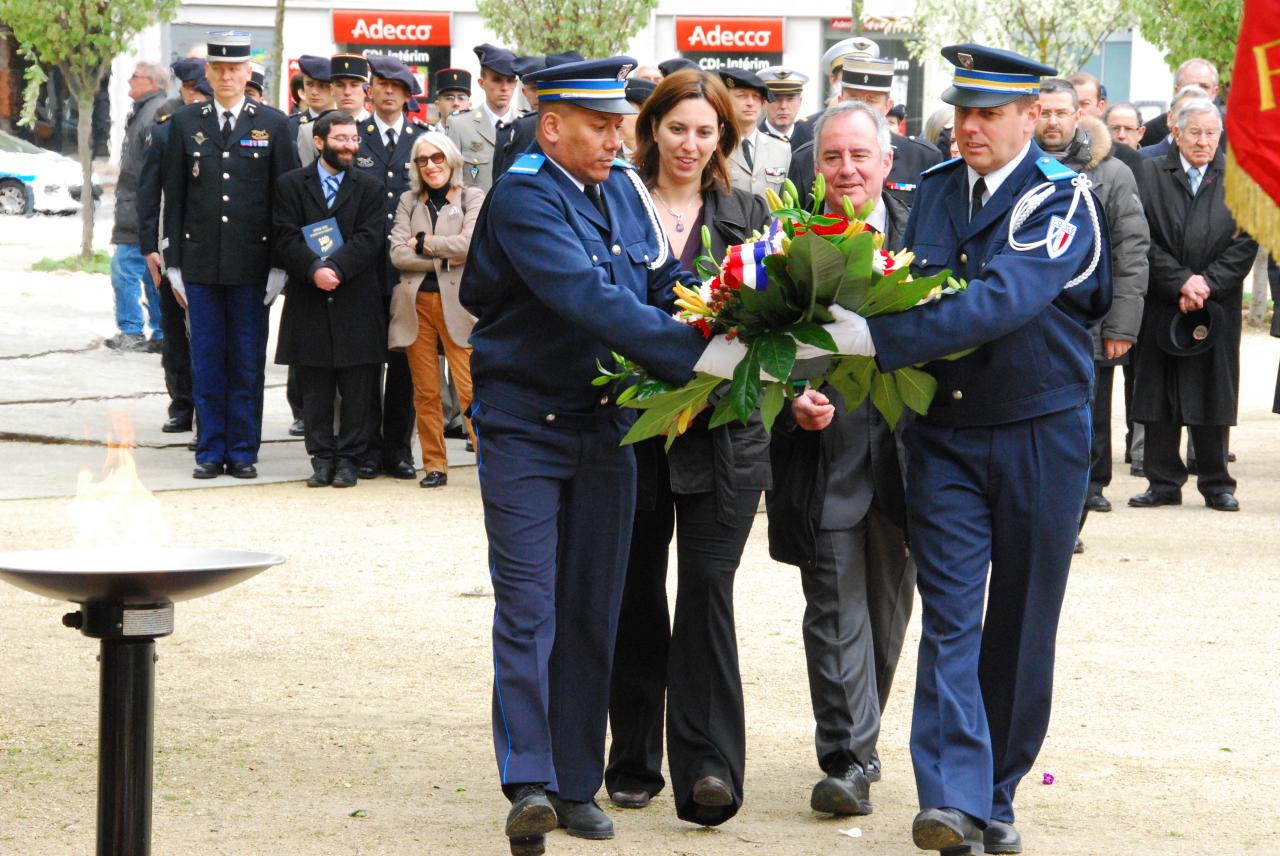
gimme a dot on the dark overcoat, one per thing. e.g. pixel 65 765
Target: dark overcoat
pixel 346 326
pixel 1189 236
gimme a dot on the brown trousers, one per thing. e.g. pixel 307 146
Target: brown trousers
pixel 424 365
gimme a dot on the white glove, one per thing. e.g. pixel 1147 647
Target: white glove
pixel 275 285
pixel 851 334
pixel 721 357
pixel 179 289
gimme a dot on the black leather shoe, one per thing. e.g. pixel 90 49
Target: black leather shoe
pixel 242 471
pixel 1152 499
pixel 322 475
pixel 297 429
pixel 344 476
pixel 1231 457
pixel 176 425
pixel 846 791
pixel 1138 470
pixel 947 830
pixel 1001 837
pixel 873 767
pixel 1222 502
pixel 434 479
pixel 530 819
pixel 367 471
pixel 401 470
pixel 1097 502
pixel 582 819
pixel 1079 548
pixel 631 798
pixel 193 443
pixel 206 471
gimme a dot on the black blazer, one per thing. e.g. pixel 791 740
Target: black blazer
pixel 828 479
pixel 346 326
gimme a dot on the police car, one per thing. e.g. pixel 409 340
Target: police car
pixel 54 179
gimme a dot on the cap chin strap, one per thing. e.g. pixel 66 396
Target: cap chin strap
pixel 664 249
pixel 1035 197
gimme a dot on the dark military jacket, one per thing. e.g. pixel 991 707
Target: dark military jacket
pixel 392 170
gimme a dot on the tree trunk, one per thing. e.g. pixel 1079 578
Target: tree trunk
pixel 84 146
pixel 1259 290
pixel 277 60
pixel 855 19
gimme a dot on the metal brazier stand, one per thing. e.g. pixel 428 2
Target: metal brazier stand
pixel 127 603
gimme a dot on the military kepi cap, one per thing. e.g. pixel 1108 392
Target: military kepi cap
pixel 595 84
pixel 833 59
pixel 257 77
pixel 782 80
pixel 228 46
pixel 990 77
pixel 740 78
pixel 867 73
pixel 453 80
pixel 496 59
pixel 350 66
pixel 314 67
pixel 638 90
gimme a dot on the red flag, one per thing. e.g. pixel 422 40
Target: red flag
pixel 1253 126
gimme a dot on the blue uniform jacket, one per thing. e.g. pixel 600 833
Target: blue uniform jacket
pixel 1034 352
pixel 556 288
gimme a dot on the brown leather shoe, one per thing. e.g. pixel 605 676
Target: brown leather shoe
pixel 712 791
pixel 635 798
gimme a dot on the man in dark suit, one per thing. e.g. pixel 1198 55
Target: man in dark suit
pixel 837 510
pixel 386 140
pixel 219 168
pixel 334 326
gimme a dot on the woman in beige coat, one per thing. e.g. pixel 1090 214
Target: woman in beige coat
pixel 428 246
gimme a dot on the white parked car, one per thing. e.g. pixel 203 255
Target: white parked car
pixel 54 179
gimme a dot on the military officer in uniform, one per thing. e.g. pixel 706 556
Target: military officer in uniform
pixel 349 83
pixel 870 80
pixel 386 141
pixel 475 132
pixel 566 266
pixel 220 167
pixel 760 161
pixel 999 465
pixel 315 81
pixel 787 86
pixel 453 95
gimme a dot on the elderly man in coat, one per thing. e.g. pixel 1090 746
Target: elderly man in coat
pixel 1198 264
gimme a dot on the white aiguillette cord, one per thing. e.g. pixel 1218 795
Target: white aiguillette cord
pixel 664 250
pixel 1035 197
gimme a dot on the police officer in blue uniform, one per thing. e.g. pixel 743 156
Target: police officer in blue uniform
pixel 567 264
pixel 386 141
pixel 1000 463
pixel 220 167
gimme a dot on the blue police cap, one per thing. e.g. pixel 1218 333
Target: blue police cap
pixel 990 77
pixel 188 70
pixel 204 87
pixel 639 90
pixel 392 68
pixel 679 63
pixel 740 78
pixel 595 84
pixel 496 59
pixel 314 67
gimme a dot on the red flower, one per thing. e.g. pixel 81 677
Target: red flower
pixel 837 228
pixel 702 326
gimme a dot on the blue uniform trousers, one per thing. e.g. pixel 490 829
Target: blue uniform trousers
pixel 228 362
pixel 558 506
pixel 1008 496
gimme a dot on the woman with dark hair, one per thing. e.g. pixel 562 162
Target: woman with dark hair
pixel 710 482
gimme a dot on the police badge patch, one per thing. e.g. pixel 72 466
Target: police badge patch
pixel 1058 237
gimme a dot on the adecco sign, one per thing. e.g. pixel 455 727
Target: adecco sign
pixel 390 28
pixel 729 35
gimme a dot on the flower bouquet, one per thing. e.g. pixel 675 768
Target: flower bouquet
pixel 773 292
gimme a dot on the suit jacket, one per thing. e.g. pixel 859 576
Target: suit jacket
pixel 447 244
pixel 829 479
pixel 769 165
pixel 390 169
pixel 346 326
pixel 218 196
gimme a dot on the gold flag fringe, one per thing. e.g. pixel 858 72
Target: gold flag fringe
pixel 1254 210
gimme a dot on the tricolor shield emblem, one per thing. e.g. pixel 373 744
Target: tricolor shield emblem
pixel 1059 237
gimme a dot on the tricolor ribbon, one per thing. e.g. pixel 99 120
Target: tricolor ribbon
pixel 744 263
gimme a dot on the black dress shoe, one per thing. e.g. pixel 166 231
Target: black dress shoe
pixel 297 429
pixel 1138 470
pixel 630 798
pixel 530 819
pixel 712 791
pixel 1079 548
pixel 367 471
pixel 344 476
pixel 434 479
pixel 401 470
pixel 193 443
pixel 846 791
pixel 206 471
pixel 582 819
pixel 1001 837
pixel 1097 502
pixel 1222 502
pixel 322 475
pixel 873 768
pixel 176 425
pixel 948 830
pixel 1152 499
pixel 242 471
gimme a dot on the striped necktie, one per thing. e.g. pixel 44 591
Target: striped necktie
pixel 330 189
pixel 1193 177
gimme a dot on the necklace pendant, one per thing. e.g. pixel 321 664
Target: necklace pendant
pixel 679 226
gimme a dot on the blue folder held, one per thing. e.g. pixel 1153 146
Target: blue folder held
pixel 323 237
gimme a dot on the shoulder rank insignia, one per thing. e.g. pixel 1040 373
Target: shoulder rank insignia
pixel 206 109
pixel 163 117
pixel 306 120
pixel 939 167
pixel 531 163
pixel 623 164
pixel 1054 170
